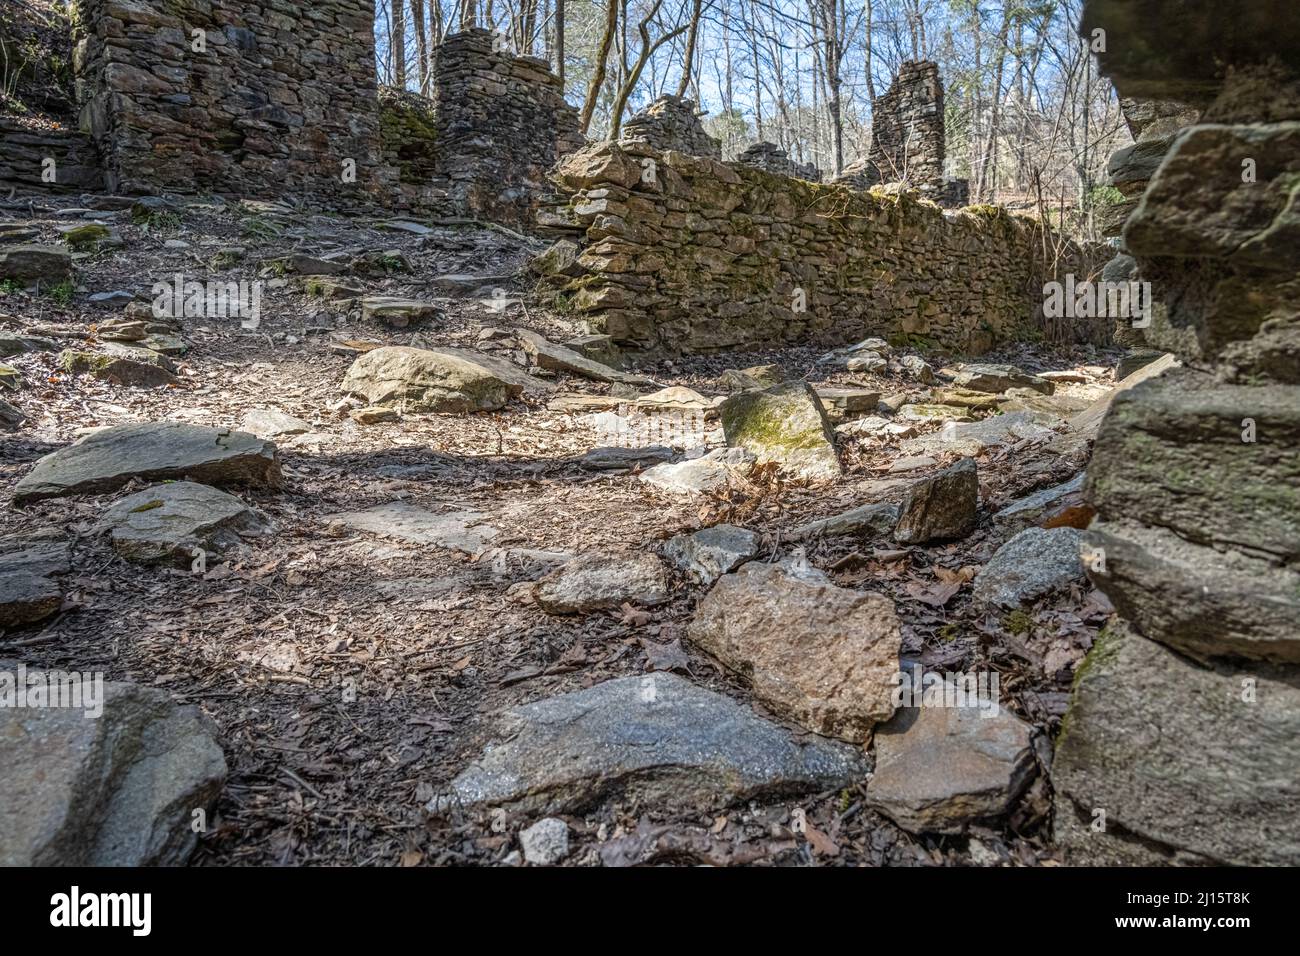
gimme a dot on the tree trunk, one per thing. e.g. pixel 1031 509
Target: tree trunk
pixel 601 64
pixel 559 41
pixel 397 37
pixel 688 60
pixel 421 45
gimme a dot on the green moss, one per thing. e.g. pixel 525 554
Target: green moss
pixel 1104 648
pixel 1017 622
pixel 61 293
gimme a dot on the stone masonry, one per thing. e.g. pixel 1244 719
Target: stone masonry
pixel 1182 739
pixel 501 124
pixel 773 159
pixel 688 254
pixel 671 122
pixel 255 98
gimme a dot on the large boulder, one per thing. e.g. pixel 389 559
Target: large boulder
pixel 940 507
pixel 423 380
pixel 715 471
pixel 152 451
pixel 167 523
pixel 823 656
pixel 1160 760
pixel 115 370
pixel 120 790
pixel 656 739
pixel 998 378
pixel 785 425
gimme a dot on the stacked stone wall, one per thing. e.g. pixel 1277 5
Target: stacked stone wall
pixel 687 254
pixel 257 97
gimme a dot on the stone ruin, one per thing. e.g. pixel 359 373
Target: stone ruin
pixel 501 123
pixel 267 100
pixel 907 139
pixel 671 122
pixel 1182 738
pixel 680 253
pixel 773 159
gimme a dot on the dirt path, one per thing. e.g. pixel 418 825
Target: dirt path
pixel 351 673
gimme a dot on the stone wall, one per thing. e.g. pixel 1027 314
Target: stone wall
pixel 501 123
pixel 773 159
pixel 687 254
pixel 1183 735
pixel 409 145
pixel 907 128
pixel 280 96
pixel 671 122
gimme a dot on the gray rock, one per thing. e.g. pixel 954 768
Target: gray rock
pixel 152 451
pixel 400 313
pixel 29 586
pixel 1136 359
pixel 165 524
pixel 11 417
pixel 708 554
pixel 624 459
pixel 1034 509
pixel 697 476
pixel 35 263
pixel 942 506
pixel 923 412
pixel 1035 562
pixel 546 842
pixel 120 790
pixel 111 300
pixel 999 378
pixel 873 519
pixel 561 259
pixel 422 380
pixel 941 768
pixel 557 358
pixel 457 530
pixel 1190 764
pixel 597 582
pixel 272 423
pixel 114 370
pixel 840 403
pixel 12 344
pixel 917 368
pixel 823 656
pixel 656 739
pixel 518 380
pixel 971 438
pixel 876 427
pixel 784 425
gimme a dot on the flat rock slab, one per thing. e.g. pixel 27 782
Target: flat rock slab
pixel 698 476
pixel 1187 771
pixel 708 554
pixel 457 530
pixel 166 524
pixel 28 263
pixel 658 740
pixel 29 585
pixel 999 378
pixel 272 423
pixel 1038 507
pixel 940 768
pixel 784 425
pixel 517 379
pixel 613 458
pixel 971 438
pixel 941 507
pixel 422 380
pixel 873 519
pixel 399 313
pixel 152 451
pixel 597 582
pixel 823 656
pixel 546 354
pixel 120 790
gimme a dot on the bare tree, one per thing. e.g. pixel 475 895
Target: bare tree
pixel 602 62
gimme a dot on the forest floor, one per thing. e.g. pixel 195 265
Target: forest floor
pixel 435 640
